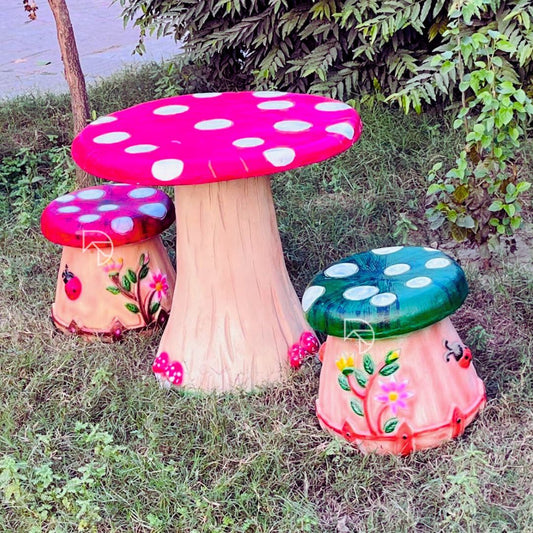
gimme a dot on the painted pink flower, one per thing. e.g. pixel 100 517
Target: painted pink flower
pixel 394 394
pixel 159 285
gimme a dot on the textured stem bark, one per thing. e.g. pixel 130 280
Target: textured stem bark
pixel 73 74
pixel 235 311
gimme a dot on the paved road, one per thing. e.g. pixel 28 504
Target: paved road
pixel 29 54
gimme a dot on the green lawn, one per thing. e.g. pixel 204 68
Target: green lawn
pixel 89 442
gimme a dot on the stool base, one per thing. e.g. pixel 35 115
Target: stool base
pixel 399 395
pixel 102 296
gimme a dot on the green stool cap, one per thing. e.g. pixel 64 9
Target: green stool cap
pixel 387 292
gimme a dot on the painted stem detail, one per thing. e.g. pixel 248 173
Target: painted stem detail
pixel 360 382
pixel 129 286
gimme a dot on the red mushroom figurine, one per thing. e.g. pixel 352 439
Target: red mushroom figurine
pixel 235 313
pixel 115 273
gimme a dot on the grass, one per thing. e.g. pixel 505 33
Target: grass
pixel 89 442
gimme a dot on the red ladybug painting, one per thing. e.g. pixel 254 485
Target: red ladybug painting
pixel 72 284
pixel 462 354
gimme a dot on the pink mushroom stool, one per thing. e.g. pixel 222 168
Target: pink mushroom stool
pixel 395 375
pixel 235 312
pixel 115 274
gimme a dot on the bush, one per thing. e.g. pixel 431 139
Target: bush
pixel 340 48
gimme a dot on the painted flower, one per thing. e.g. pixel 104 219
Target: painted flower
pixel 159 285
pixel 345 361
pixel 394 394
pixel 113 267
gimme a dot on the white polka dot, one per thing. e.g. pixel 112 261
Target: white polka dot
pixel 430 249
pixel 438 262
pixel 66 198
pixel 280 157
pixel 88 218
pixel 122 225
pixel 140 148
pixel 343 128
pixel 341 270
pixel 387 250
pixel 213 124
pixel 276 104
pixel 102 120
pixel 311 294
pixel 268 94
pixel 69 209
pixel 332 106
pixel 142 192
pixel 206 95
pixel 397 269
pixel 362 292
pixel 108 207
pixel 417 283
pixel 383 299
pixel 248 142
pixel 292 125
pixel 91 194
pixel 171 109
pixel 155 210
pixel 167 169
pixel 112 137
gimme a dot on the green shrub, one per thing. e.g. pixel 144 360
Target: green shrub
pixel 487 49
pixel 327 46
pixel 334 47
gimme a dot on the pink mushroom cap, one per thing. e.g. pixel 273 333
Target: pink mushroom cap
pixel 106 215
pixel 209 137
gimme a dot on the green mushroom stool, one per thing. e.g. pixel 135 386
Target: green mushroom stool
pixel 395 375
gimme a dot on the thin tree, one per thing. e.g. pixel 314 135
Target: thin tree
pixel 73 73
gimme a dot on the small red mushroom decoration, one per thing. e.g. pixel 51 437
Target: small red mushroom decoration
pixel 72 284
pixel 172 372
pixel 309 342
pixel 160 363
pixel 307 345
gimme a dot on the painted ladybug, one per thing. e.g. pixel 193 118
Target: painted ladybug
pixel 461 354
pixel 72 284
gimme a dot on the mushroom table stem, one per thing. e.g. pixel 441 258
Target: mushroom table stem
pixel 235 312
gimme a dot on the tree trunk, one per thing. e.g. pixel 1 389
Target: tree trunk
pixel 73 75
pixel 235 312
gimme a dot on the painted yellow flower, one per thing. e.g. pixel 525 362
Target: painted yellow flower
pixel 113 267
pixel 345 361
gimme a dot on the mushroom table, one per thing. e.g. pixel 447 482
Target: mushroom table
pixel 235 313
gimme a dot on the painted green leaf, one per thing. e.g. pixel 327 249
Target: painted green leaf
pixel 343 382
pixel 113 290
pixel 154 308
pixel 360 378
pixel 389 369
pixel 357 408
pixel 126 283
pixel 144 272
pixel 348 370
pixel 393 355
pixel 132 276
pixel 368 364
pixel 141 260
pixel 390 425
pixel 132 307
